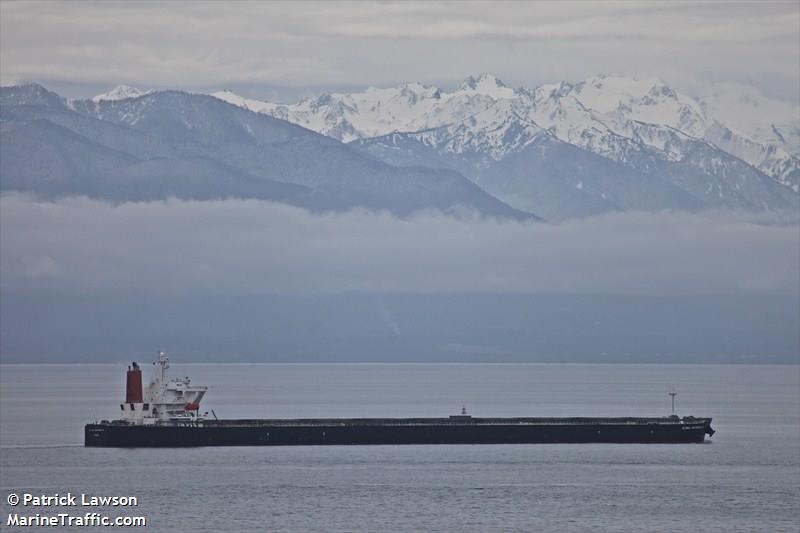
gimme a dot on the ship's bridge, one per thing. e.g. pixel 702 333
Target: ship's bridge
pixel 164 398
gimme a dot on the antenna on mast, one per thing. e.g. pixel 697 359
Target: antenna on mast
pixel 673 394
pixel 163 362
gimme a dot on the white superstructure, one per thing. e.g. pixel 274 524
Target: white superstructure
pixel 164 399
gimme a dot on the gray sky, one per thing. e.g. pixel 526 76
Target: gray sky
pixel 260 247
pixel 264 47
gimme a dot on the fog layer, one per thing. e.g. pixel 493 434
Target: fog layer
pixel 78 244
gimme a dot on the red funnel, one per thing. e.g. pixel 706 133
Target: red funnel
pixel 133 390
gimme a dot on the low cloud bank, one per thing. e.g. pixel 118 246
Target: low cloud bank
pixel 260 247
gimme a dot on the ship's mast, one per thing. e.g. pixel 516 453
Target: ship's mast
pixel 672 393
pixel 163 362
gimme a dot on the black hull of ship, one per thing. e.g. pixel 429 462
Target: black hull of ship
pixel 454 430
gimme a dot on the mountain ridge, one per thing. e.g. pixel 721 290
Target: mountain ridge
pixel 195 146
pixel 636 123
pixel 561 150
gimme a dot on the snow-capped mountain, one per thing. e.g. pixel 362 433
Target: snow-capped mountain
pixel 743 124
pixel 120 92
pixel 562 150
pixel 640 124
pixel 752 115
pixel 375 112
pixel 175 144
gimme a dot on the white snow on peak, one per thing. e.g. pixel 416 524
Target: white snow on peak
pixel 604 113
pixel 494 132
pixel 609 115
pixel 120 92
pixel 647 100
pixel 746 111
pixel 604 93
pixel 486 84
pixel 377 111
pixel 257 106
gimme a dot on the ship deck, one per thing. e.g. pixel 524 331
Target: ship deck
pixel 457 420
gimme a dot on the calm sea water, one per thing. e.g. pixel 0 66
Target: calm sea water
pixel 746 479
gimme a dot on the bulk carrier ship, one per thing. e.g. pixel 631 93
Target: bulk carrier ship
pixel 166 413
